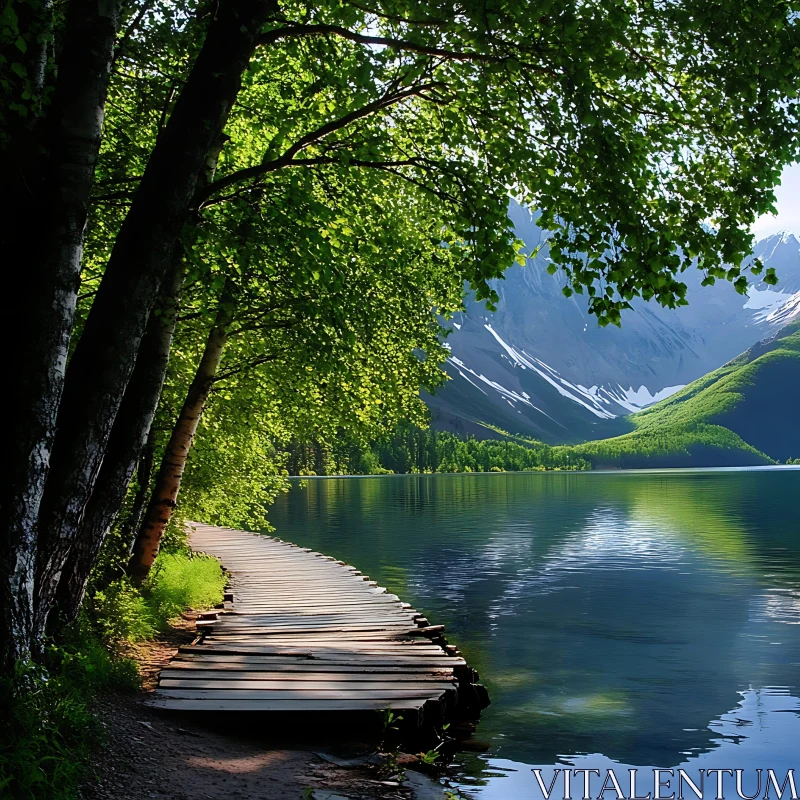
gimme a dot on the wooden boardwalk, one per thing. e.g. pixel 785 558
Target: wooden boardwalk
pixel 300 631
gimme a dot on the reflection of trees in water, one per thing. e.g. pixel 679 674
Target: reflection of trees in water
pixel 569 592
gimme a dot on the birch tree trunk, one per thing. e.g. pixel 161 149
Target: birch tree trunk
pixel 125 445
pixel 49 175
pixel 173 463
pixel 105 356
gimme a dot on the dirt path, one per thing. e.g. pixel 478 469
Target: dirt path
pixel 149 754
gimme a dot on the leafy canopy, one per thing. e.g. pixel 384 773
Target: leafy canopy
pixel 649 134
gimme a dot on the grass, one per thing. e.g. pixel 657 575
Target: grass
pixel 740 414
pixel 48 733
pixel 123 613
pixel 180 581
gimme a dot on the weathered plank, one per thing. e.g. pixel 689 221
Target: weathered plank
pixel 312 677
pixel 294 706
pixel 296 666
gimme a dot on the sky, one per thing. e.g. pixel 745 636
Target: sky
pixel 788 217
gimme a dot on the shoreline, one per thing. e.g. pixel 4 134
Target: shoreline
pixel 628 471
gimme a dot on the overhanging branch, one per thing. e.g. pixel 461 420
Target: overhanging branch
pixel 287 158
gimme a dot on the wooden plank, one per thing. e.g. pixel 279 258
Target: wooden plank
pixel 366 641
pixel 378 634
pixel 290 621
pixel 320 653
pixel 376 613
pixel 319 648
pixel 392 627
pixel 397 628
pixel 308 607
pixel 306 685
pixel 301 605
pixel 227 673
pixel 277 706
pixel 254 663
pixel 321 694
pixel 340 658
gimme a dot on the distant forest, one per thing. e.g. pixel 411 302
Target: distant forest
pixel 413 450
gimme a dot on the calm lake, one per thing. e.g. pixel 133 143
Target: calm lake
pixel 646 619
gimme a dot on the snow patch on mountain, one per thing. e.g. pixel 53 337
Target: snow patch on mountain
pixel 758 299
pixel 510 396
pixel 786 312
pixel 522 359
pixel 637 399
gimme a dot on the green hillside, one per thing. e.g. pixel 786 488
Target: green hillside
pixel 744 413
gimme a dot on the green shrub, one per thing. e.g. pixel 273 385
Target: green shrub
pixel 121 613
pixel 179 581
pixel 176 535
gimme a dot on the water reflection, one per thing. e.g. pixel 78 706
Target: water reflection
pixel 646 619
pixel 761 732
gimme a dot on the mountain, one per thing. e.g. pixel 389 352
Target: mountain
pixel 540 365
pixel 743 413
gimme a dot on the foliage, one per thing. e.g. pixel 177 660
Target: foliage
pixel 412 449
pixel 640 130
pixel 673 446
pixel 430 757
pixel 47 733
pixel 360 185
pixel 121 613
pixel 645 134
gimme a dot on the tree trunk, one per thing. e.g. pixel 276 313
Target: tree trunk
pixel 104 358
pixel 49 177
pixel 132 433
pixel 125 445
pixel 173 463
pixel 144 475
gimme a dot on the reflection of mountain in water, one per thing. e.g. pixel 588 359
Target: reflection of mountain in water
pixel 615 614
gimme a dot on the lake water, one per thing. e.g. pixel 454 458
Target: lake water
pixel 647 620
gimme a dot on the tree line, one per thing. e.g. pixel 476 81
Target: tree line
pixel 411 449
pixel 234 224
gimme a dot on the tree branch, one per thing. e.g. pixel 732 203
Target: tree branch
pixel 244 365
pixel 122 44
pixel 286 159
